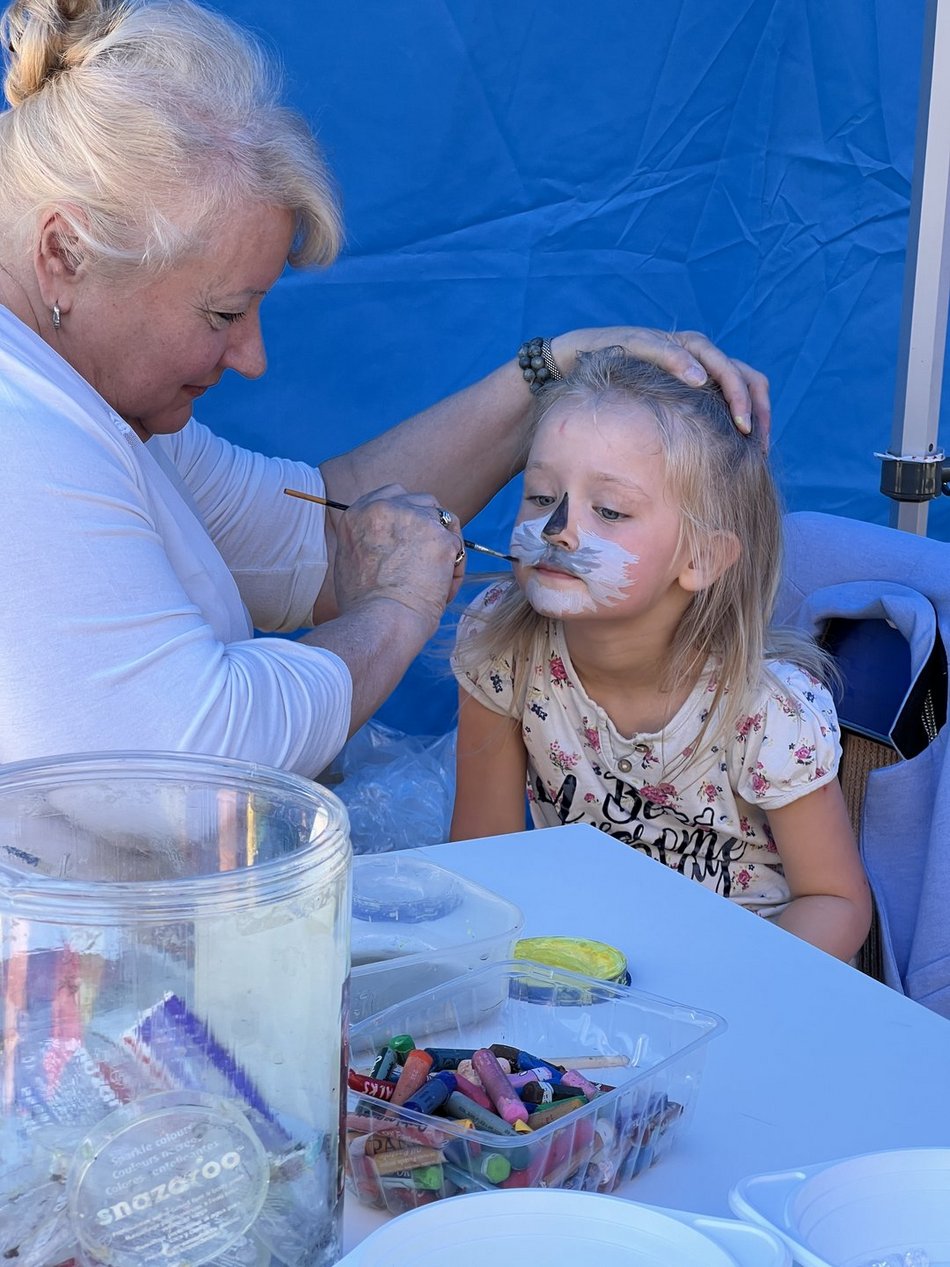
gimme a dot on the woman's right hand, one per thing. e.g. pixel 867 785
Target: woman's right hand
pixel 392 545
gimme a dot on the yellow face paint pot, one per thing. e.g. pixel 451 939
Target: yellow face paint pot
pixel 576 954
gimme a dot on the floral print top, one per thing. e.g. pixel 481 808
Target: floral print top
pixel 709 821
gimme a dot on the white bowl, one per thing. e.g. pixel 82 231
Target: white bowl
pixel 539 1227
pixel 858 1210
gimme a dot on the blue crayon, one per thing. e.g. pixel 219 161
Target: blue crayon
pixel 448 1057
pixel 521 1061
pixel 429 1097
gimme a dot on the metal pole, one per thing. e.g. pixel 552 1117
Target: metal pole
pixel 923 332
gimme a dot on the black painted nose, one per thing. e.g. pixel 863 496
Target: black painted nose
pixel 558 521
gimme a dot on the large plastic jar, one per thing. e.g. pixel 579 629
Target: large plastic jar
pixel 174 957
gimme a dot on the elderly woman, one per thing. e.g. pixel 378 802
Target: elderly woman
pixel 152 189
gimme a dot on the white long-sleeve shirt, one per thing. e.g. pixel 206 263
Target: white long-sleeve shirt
pixel 134 574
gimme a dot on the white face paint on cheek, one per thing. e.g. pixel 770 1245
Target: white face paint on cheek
pixel 604 567
pixel 527 544
pixel 611 569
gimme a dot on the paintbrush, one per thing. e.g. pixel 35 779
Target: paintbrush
pixel 326 501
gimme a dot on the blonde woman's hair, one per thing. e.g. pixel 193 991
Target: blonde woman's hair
pixel 721 482
pixel 143 123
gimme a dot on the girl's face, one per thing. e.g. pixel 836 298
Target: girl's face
pixel 596 532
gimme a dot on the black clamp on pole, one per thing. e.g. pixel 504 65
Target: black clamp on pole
pixel 914 477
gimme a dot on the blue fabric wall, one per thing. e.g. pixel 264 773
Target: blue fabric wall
pixel 516 167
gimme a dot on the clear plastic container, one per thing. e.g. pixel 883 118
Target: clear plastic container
pixel 416 925
pixel 174 938
pixel 650 1051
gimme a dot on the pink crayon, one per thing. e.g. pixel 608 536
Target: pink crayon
pixel 572 1078
pixel 499 1089
pixel 456 1082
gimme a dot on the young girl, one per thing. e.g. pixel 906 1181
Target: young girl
pixel 627 673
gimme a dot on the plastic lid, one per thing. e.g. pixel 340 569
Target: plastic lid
pixel 403 890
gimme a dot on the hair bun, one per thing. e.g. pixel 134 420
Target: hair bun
pixel 44 38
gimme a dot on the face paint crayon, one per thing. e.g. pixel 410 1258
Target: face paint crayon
pixel 551 1112
pixel 467 1070
pixel 430 1096
pixel 459 1106
pixel 425 1178
pixel 385 1064
pixel 499 1089
pixel 574 1079
pixel 521 1061
pixel 402 1045
pixel 405 1160
pixel 448 1057
pixel 527 1076
pixel 415 1070
pixel 456 1082
pixel 378 1089
pixel 536 1093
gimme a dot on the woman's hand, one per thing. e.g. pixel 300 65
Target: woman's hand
pixel 393 545
pixel 687 355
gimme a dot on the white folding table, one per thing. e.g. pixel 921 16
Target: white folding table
pixel 818 1061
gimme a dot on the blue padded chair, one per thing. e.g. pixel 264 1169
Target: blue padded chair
pixel 879 599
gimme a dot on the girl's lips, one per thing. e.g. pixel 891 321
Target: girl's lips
pixel 548 569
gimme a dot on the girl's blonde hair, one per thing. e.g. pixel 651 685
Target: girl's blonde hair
pixel 143 123
pixel 721 482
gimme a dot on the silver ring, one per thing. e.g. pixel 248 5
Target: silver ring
pixel 460 557
pixel 445 517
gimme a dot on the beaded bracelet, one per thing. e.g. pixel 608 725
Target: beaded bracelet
pixel 538 365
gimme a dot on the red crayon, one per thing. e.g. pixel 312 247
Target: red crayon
pixel 378 1088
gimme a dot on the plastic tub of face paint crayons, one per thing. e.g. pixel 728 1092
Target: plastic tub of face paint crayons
pixel 415 925
pixel 644 1054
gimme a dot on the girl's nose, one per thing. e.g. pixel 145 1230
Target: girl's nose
pixel 558 521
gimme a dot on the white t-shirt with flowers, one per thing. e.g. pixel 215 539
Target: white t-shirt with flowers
pixel 708 821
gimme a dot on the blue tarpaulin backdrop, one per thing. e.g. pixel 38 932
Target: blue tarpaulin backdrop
pixel 512 167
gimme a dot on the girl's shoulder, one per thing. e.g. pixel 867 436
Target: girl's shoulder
pixel 785 678
pixel 788 700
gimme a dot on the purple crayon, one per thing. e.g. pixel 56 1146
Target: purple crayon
pixel 526 1076
pixel 498 1088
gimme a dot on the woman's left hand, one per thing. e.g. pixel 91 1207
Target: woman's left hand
pixel 688 355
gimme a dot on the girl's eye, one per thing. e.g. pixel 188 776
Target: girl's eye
pixel 612 516
pixel 539 499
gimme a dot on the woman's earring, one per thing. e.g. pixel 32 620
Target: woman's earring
pixel 57 317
